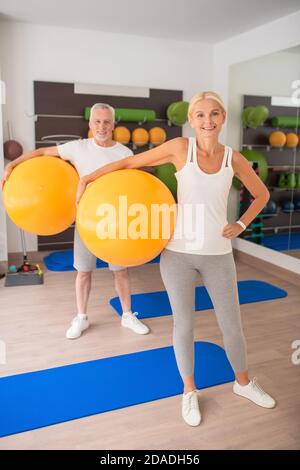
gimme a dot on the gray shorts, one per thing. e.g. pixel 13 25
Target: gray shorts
pixel 84 260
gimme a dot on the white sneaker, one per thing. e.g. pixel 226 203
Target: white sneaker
pixel 78 325
pixel 190 408
pixel 129 320
pixel 255 393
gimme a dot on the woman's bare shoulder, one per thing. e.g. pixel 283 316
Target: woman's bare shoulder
pixel 178 144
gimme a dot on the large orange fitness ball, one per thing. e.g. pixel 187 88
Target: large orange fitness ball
pixel 126 217
pixel 40 195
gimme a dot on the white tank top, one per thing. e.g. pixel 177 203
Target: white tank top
pixel 202 206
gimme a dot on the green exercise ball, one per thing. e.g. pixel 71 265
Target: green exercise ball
pixel 177 112
pixel 260 114
pixel 254 116
pixel 254 156
pixel 166 173
pixel 246 113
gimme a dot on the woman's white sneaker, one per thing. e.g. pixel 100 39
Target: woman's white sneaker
pixel 255 393
pixel 129 320
pixel 190 408
pixel 78 325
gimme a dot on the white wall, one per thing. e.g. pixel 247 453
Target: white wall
pixel 35 52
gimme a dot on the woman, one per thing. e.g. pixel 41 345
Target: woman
pixel 205 169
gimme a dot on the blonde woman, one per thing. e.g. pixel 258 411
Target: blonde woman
pixel 205 169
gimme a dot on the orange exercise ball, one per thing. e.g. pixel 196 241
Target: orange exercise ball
pixel 118 217
pixel 140 136
pixel 90 134
pixel 277 139
pixel 157 135
pixel 40 195
pixel 291 140
pixel 122 134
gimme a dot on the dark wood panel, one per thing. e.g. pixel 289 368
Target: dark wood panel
pixel 59 99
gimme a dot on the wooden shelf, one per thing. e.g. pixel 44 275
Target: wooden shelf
pixel 276 189
pixel 284 167
pixel 269 147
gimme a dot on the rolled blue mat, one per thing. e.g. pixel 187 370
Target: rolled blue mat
pixel 63 261
pixel 156 304
pixel 46 397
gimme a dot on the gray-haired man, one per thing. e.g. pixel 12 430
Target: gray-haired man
pixel 87 155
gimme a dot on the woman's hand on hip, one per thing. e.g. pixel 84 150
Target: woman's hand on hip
pixel 232 230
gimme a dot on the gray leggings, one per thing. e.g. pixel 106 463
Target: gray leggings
pixel 218 272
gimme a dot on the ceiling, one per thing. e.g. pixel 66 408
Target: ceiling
pixel 190 20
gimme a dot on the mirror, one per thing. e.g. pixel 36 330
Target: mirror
pixel 263 123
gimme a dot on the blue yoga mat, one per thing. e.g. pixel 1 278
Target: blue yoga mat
pixel 37 399
pixel 156 304
pixel 63 261
pixel 281 241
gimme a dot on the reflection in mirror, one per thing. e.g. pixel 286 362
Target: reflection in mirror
pixel 294 234
pixel 264 124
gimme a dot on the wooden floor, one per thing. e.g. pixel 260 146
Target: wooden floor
pixel 33 323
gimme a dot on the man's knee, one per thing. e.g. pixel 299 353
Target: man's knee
pixel 84 276
pixel 121 274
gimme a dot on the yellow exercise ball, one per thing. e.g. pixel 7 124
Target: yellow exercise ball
pixel 140 136
pixel 118 217
pixel 291 139
pixel 277 139
pixel 90 134
pixel 157 135
pixel 122 134
pixel 40 195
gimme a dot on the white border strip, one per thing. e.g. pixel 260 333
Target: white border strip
pixel 284 101
pixel 111 90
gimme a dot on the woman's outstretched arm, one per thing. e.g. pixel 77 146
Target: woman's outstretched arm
pixel 164 153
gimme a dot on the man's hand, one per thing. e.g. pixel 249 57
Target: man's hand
pixel 80 190
pixel 7 171
pixel 232 230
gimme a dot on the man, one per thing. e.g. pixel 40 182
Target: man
pixel 87 155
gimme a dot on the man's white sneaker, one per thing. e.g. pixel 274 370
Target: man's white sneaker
pixel 255 393
pixel 78 325
pixel 190 408
pixel 129 320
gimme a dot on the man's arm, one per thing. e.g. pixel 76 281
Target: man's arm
pixel 51 151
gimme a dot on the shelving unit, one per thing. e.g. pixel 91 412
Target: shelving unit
pixel 280 160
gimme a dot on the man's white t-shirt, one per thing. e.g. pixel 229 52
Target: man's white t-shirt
pixel 87 156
